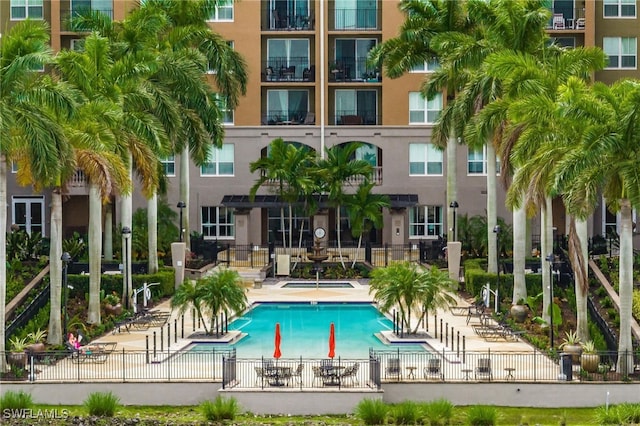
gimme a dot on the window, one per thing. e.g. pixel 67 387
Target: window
pixel 356 14
pixel 424 159
pixel 425 221
pixel 287 105
pixel 223 11
pixel 76 44
pixel 564 41
pixel 83 6
pixel 299 221
pixel 621 51
pixel 169 165
pixel 351 57
pixel 220 161
pixel 477 161
pixel 14 167
pixel 23 9
pixel 218 222
pixel 285 53
pixel 619 8
pixel 362 104
pixel 290 14
pixel 28 213
pixel 227 114
pixel 427 66
pixel 424 111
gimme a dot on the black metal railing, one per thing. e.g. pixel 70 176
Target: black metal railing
pixel 39 302
pixel 388 366
pixel 284 117
pixel 283 20
pixel 353 69
pixel 361 117
pixel 288 69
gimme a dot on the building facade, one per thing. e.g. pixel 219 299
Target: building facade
pixel 309 84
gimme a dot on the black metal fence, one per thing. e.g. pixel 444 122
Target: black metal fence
pixel 213 364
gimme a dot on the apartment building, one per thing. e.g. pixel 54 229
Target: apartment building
pixel 310 84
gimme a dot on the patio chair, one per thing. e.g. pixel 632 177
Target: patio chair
pixel 297 373
pixel 433 369
pixel 393 369
pixel 483 369
pixel 351 373
pixel 317 374
pixel 558 21
pixel 259 376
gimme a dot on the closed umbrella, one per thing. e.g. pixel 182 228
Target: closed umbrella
pixel 276 353
pixel 332 341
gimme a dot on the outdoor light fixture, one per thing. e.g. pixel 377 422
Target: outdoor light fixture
pixel 126 234
pixel 550 258
pixel 181 205
pixel 496 230
pixel 454 205
pixel 66 259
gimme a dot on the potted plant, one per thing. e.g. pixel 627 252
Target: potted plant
pixel 572 345
pixel 18 355
pixel 519 311
pixel 590 360
pixel 36 339
pixel 112 305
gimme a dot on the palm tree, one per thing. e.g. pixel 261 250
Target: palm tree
pixel 222 292
pixel 365 211
pixel 603 162
pixel 338 169
pixel 186 296
pixel 414 46
pixel 410 288
pixel 31 107
pixel 286 170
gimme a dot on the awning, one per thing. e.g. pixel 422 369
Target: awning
pixel 397 201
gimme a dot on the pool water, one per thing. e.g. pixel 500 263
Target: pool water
pixel 304 330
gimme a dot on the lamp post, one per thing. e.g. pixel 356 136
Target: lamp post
pixel 454 205
pixel 126 234
pixel 496 230
pixel 66 259
pixel 550 258
pixel 181 205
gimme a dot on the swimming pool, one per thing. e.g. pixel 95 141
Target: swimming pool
pixel 304 329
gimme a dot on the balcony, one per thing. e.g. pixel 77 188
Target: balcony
pixel 353 69
pixel 355 118
pixel 278 20
pixel 288 70
pixel 567 20
pixel 360 19
pixel 66 18
pixel 288 118
pixel 376 178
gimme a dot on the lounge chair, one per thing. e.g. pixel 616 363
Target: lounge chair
pixel 483 369
pixel 433 369
pixel 393 369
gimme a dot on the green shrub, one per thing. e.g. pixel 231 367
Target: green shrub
pixel 15 401
pixel 103 404
pixel 372 411
pixel 616 414
pixel 606 302
pixel 438 412
pixel 482 415
pixel 220 409
pixel 405 413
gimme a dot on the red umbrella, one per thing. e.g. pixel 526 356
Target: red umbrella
pixel 277 354
pixel 332 341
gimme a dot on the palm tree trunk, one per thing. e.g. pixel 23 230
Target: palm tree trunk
pixel 492 217
pixel 579 253
pixel 625 347
pixel 126 217
pixel 452 184
pixel 108 231
pixel 54 335
pixel 283 229
pixel 95 253
pixel 546 243
pixel 355 256
pixel 290 225
pixel 185 188
pixel 519 254
pixel 339 220
pixel 152 232
pixel 3 258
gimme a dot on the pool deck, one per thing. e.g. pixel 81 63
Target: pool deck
pixel 272 291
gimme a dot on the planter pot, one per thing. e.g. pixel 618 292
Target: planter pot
pixel 590 362
pixel 575 351
pixel 519 313
pixel 113 310
pixel 17 359
pixel 35 348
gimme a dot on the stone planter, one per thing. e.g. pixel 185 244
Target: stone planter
pixel 17 359
pixel 575 351
pixel 114 310
pixel 590 362
pixel 519 313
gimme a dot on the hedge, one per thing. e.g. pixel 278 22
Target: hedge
pixel 113 283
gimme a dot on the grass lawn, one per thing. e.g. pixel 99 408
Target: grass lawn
pixel 192 415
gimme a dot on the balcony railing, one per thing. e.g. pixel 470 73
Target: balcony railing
pixel 290 21
pixel 288 69
pixel 356 19
pixel 561 21
pixel 66 19
pixel 285 117
pixel 353 69
pixel 355 118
